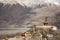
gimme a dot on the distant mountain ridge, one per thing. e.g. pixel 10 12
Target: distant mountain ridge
pixel 15 13
pixel 31 3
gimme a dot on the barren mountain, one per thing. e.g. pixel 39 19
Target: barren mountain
pixel 20 13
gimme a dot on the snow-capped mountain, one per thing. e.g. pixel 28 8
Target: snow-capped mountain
pixel 24 12
pixel 30 3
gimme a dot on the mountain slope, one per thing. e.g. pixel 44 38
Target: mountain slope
pixel 13 14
